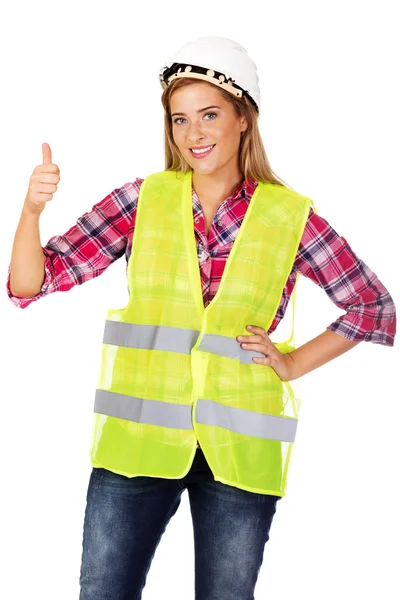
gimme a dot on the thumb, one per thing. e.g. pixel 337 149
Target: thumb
pixel 46 150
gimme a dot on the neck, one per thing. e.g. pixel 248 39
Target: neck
pixel 217 186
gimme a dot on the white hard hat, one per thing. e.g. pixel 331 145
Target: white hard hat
pixel 218 60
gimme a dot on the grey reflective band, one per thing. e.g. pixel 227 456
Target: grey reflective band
pixel 208 412
pixel 152 412
pixel 246 422
pixel 174 339
pixel 228 347
pixel 150 337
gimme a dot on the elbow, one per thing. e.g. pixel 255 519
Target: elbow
pixel 24 293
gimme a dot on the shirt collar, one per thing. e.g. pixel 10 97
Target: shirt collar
pixel 244 191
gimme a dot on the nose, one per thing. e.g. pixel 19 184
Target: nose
pixel 194 132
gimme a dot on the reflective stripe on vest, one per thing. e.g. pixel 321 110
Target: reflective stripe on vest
pixel 174 339
pixel 164 414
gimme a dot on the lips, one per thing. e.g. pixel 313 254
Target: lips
pixel 201 154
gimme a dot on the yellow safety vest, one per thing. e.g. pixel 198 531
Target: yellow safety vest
pixel 172 371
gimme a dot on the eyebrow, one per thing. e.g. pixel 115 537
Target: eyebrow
pixel 199 111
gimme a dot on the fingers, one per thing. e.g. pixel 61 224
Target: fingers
pixel 47 166
pixel 255 348
pixel 48 177
pixel 256 330
pixel 251 339
pixel 42 183
pixel 46 150
pixel 46 189
pixel 257 334
pixel 258 340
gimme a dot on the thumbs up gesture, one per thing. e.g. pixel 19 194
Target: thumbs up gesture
pixel 42 184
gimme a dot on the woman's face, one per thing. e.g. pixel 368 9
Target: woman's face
pixel 218 126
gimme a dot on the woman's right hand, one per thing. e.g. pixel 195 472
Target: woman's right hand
pixel 42 184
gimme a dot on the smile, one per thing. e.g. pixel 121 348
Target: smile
pixel 202 153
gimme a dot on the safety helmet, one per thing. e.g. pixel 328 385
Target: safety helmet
pixel 218 60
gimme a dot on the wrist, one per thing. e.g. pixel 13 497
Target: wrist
pixel 28 213
pixel 294 372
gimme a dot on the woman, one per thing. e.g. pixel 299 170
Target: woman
pixel 189 361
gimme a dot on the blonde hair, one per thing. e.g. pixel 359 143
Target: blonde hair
pixel 253 160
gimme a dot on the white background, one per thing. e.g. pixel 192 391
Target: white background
pixel 84 78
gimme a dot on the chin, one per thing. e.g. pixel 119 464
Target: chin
pixel 206 170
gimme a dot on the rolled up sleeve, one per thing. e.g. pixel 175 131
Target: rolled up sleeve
pixel 326 258
pixel 44 290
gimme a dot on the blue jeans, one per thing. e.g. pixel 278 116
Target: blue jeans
pixel 126 517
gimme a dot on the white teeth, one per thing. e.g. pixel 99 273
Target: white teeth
pixel 202 151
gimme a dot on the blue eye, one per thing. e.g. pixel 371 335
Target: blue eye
pixel 210 113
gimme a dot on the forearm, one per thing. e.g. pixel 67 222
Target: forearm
pixel 318 351
pixel 27 259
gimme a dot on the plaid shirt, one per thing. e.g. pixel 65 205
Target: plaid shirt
pixel 104 234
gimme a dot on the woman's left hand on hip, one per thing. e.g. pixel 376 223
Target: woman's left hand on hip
pixel 259 341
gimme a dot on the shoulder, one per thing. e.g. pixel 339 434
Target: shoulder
pixel 319 231
pixel 124 197
pixel 127 195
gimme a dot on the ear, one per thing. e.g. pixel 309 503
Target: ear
pixel 243 124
